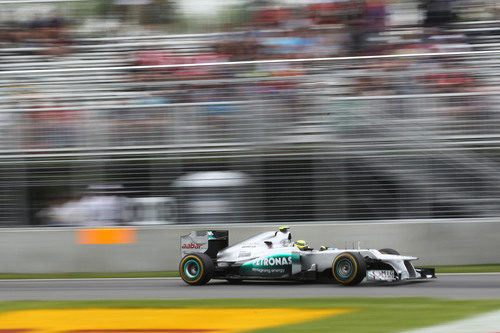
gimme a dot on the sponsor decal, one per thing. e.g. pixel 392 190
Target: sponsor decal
pixel 380 275
pixel 269 270
pixel 273 261
pixel 192 245
pixel 244 254
pixel 276 266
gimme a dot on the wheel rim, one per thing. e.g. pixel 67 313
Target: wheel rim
pixel 192 269
pixel 344 268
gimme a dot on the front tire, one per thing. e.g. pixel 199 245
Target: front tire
pixel 349 268
pixel 196 269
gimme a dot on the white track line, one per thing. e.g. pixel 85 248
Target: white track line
pixel 485 323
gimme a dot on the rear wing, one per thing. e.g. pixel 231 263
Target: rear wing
pixel 209 242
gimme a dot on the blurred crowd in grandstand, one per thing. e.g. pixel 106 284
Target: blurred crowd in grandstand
pixel 272 30
pixel 143 90
pixel 47 35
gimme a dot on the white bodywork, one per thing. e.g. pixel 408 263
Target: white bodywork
pixel 256 247
pixel 276 250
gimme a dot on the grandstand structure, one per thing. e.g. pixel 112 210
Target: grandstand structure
pixel 400 136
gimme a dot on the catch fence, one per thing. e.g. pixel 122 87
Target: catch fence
pixel 211 141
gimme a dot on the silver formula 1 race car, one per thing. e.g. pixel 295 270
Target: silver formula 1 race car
pixel 273 256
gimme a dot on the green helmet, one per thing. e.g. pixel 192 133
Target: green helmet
pixel 284 228
pixel 301 244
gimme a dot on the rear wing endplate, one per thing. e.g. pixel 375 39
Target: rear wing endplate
pixel 209 242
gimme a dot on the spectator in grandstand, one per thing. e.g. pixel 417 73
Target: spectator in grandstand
pixel 266 15
pixel 56 35
pixel 326 12
pixel 374 16
pixel 355 25
pixel 9 32
pixel 438 13
pixel 142 121
pixel 467 104
pixel 48 35
pixel 51 124
pixel 446 42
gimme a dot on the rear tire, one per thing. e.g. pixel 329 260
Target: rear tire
pixel 196 269
pixel 349 268
pixel 388 251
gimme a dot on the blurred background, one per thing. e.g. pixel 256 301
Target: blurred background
pixel 150 112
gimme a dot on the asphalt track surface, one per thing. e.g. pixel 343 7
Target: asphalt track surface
pixel 457 286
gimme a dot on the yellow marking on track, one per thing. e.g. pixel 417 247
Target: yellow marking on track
pixel 155 320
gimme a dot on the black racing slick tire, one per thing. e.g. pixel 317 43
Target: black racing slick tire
pixel 388 251
pixel 349 268
pixel 196 269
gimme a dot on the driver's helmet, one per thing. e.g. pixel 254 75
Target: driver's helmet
pixel 301 244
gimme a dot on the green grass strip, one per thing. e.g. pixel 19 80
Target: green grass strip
pixel 492 268
pixel 375 315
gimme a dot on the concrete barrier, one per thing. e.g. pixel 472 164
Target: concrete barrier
pixel 51 250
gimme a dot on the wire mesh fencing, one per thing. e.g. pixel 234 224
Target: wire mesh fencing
pixel 199 139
